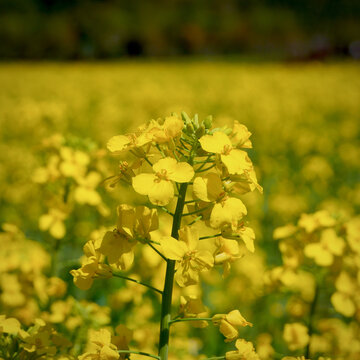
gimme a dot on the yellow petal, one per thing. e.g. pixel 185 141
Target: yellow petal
pixel 161 192
pixel 10 326
pixel 172 248
pixel 45 221
pixel 208 188
pixel 58 230
pixel 343 304
pixel 237 162
pixel 216 143
pixel 126 219
pixel 235 318
pixel 205 258
pixel 248 236
pixel 168 164
pixel 81 280
pixel 331 241
pixel 118 143
pixel 228 213
pixel 190 237
pixel 229 331
pixel 143 183
pixel 173 126
pixel 182 173
pixel 241 135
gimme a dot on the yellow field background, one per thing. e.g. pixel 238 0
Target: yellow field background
pixel 305 125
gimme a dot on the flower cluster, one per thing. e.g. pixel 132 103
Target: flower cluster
pixel 320 261
pixel 196 175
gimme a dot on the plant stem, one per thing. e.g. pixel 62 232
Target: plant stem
pixel 216 358
pixel 209 236
pixel 138 353
pixel 138 282
pixel 311 319
pixel 190 319
pixel 157 251
pixel 169 280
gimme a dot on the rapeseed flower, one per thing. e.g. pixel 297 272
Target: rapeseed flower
pixel 159 186
pixel 190 258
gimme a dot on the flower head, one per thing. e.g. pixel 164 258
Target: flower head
pixel 158 186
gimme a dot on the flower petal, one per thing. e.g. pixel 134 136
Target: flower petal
pixel 208 188
pixel 118 143
pixel 161 192
pixel 172 248
pixel 215 143
pixel 237 161
pixel 143 183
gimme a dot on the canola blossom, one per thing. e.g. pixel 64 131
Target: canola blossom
pixel 83 188
pixel 175 154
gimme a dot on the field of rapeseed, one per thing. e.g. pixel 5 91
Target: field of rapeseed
pixel 181 210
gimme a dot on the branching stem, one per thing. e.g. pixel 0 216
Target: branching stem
pixel 137 282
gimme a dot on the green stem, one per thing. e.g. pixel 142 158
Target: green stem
pixel 163 208
pixel 216 358
pixel 157 251
pixel 195 220
pixel 192 201
pixel 138 353
pixel 202 170
pixel 138 282
pixel 209 237
pixel 169 280
pixel 190 319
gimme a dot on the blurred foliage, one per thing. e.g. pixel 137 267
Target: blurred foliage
pixel 306 136
pixel 65 29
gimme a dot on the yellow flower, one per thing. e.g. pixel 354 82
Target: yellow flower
pixel 296 336
pixel 74 162
pixel 9 325
pixel 170 129
pixel 228 324
pixel 133 224
pixel 242 232
pixel 209 188
pixel 48 173
pixel 240 136
pixel 342 298
pixel 353 234
pixel 227 253
pixel 323 252
pixel 119 143
pixel 245 351
pixel 104 349
pixel 159 186
pixel 91 267
pixel 263 346
pixel 190 259
pixel 192 307
pixel 283 232
pixel 85 193
pixel 126 173
pixel 242 184
pixel 122 339
pixel 230 212
pixel 53 221
pixel 236 161
pixel 320 219
pixel 226 210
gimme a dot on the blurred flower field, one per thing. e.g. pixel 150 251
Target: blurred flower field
pixel 60 189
